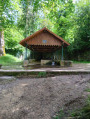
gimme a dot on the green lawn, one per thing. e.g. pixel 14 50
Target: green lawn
pixel 9 60
pixel 81 61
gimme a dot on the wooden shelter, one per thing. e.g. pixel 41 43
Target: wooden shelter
pixel 44 40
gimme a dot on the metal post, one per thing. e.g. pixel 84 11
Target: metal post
pixel 26 52
pixel 62 52
pixel 33 54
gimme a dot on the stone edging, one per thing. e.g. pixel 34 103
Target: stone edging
pixel 35 72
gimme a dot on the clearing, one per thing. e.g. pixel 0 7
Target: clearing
pixel 41 98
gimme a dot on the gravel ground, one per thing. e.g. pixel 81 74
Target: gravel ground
pixel 41 98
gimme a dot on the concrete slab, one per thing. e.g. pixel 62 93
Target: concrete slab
pixel 7 77
pixel 35 72
pixel 76 69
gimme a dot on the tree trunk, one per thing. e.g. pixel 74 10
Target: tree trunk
pixel 2 46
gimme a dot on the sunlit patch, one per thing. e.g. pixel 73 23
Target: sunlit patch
pixel 76 85
pixel 68 82
pixel 15 109
pixel 53 77
pixel 88 65
pixel 24 84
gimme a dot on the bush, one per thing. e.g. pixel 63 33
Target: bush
pixel 42 74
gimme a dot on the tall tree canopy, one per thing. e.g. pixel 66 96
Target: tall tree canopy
pixel 10 11
pixel 81 27
pixel 82 30
pixel 67 18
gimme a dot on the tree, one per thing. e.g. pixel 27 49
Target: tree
pixel 9 13
pixel 59 13
pixel 82 31
pixel 29 16
pixel 12 38
pixel 3 7
pixel 28 21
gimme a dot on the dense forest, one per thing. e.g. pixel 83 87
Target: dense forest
pixel 69 19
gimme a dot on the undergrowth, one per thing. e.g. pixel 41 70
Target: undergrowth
pixel 83 113
pixel 9 60
pixel 41 74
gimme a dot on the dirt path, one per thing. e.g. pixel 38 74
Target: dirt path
pixel 41 98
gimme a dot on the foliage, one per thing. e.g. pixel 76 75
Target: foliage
pixel 28 20
pixel 88 90
pixel 67 19
pixel 9 60
pixel 12 38
pixel 59 115
pixel 84 113
pixel 59 14
pixel 42 74
pixel 81 61
pixel 10 11
pixel 81 28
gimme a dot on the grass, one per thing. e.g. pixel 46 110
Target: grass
pixel 41 74
pixel 59 115
pixel 9 60
pixel 81 61
pixel 88 90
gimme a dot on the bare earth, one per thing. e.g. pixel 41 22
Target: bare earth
pixel 41 98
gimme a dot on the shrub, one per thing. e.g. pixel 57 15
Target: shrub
pixel 42 74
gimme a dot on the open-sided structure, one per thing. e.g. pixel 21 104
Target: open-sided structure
pixel 44 41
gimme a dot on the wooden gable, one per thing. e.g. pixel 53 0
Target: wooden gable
pixel 44 38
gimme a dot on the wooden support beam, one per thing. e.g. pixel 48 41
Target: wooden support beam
pixel 40 48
